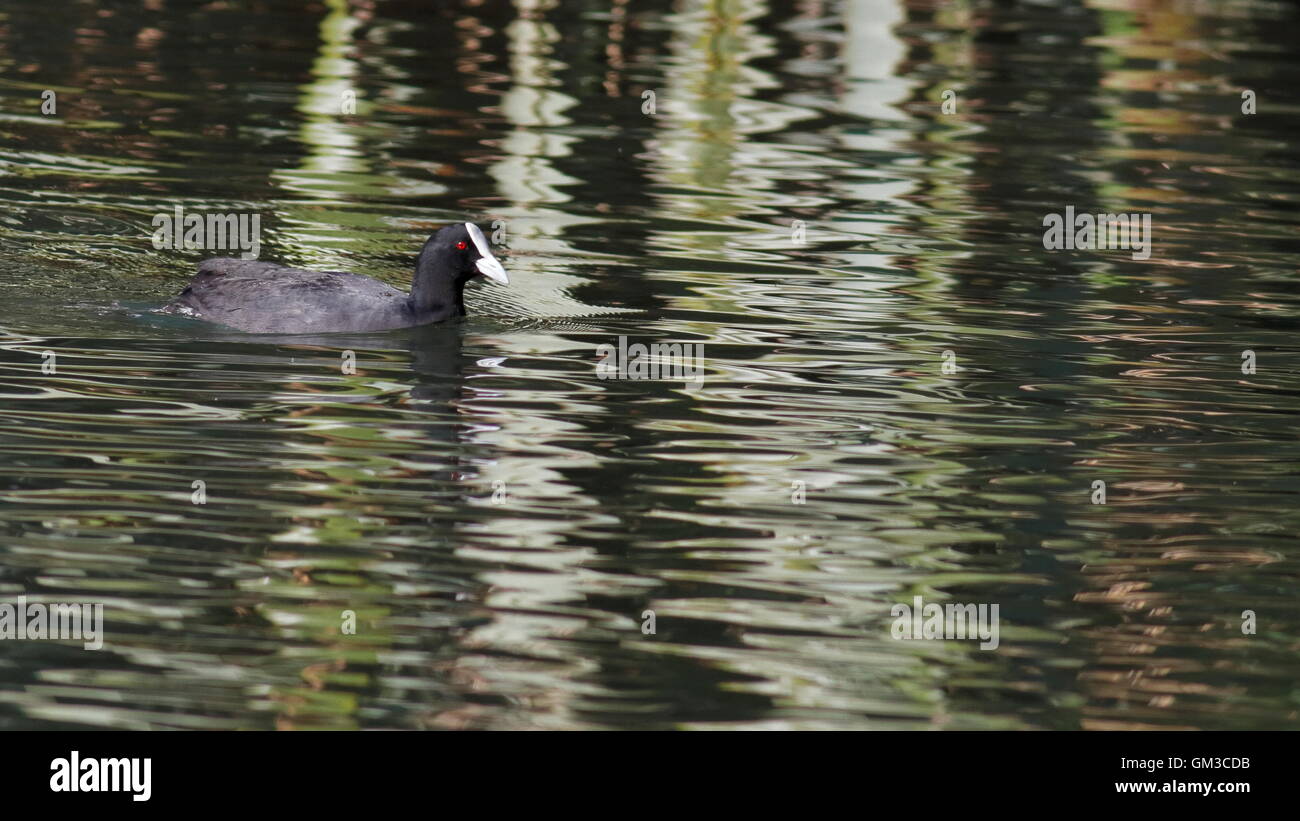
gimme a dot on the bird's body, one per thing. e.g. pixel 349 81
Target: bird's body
pixel 264 297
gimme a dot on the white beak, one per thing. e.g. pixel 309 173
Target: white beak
pixel 487 264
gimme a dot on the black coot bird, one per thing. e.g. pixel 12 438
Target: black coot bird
pixel 263 297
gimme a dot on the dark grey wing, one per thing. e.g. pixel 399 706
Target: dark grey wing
pixel 264 297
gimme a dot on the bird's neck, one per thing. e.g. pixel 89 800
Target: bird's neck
pixel 435 289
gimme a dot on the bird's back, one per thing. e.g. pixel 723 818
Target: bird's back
pixel 264 297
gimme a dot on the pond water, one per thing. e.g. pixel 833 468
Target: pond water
pixel 904 394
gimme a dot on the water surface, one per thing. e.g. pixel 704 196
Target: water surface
pixel 499 519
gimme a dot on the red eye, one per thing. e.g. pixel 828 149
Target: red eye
pixel 460 246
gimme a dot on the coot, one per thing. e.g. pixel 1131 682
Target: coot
pixel 263 297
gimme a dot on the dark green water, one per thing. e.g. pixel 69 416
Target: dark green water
pixel 498 518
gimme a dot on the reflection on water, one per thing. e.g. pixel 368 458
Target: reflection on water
pixel 497 520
